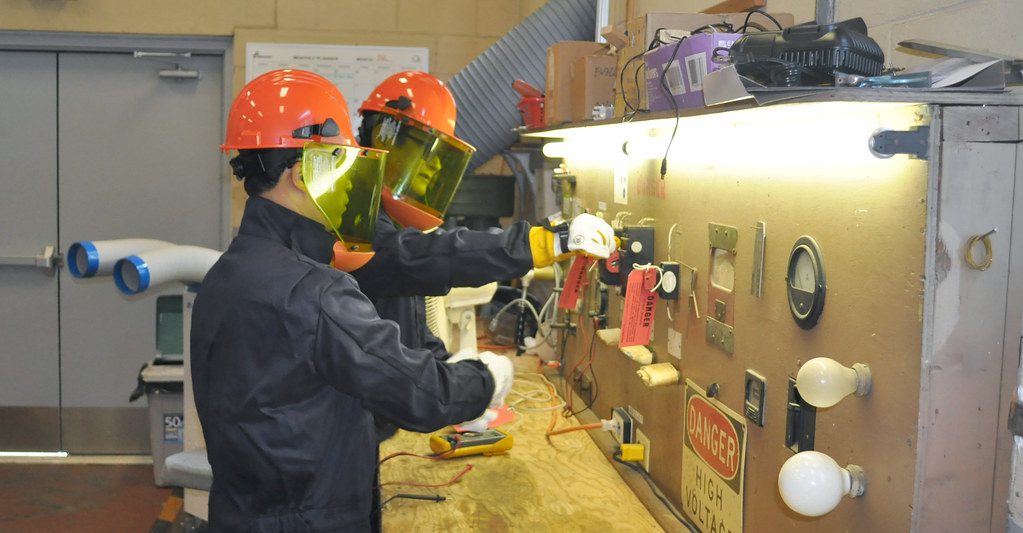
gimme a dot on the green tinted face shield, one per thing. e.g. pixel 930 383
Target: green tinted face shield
pixel 345 182
pixel 424 167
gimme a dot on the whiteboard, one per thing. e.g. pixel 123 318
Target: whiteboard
pixel 356 70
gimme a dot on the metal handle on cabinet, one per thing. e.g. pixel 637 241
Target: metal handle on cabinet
pixel 49 259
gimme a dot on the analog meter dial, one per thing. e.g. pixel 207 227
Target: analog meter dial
pixel 806 282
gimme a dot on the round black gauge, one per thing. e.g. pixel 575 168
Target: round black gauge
pixel 806 283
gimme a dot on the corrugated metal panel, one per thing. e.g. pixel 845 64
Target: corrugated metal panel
pixel 486 101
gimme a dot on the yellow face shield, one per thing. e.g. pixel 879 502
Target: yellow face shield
pixel 424 167
pixel 345 182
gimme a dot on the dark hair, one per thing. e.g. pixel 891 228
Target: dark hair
pixel 261 169
pixel 369 121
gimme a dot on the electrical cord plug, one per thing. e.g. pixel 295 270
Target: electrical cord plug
pixel 612 425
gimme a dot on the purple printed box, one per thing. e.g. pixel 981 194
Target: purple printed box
pixel 694 59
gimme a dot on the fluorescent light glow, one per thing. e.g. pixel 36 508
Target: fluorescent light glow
pixel 801 138
pixel 59 455
pixel 591 149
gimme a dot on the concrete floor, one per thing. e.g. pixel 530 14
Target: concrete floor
pixel 64 497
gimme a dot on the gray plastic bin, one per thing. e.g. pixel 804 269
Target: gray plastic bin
pixel 163 386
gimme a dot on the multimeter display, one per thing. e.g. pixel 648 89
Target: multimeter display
pixel 489 442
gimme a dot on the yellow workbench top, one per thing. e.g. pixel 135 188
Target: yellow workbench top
pixel 563 485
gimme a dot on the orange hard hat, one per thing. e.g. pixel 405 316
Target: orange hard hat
pixel 416 95
pixel 286 109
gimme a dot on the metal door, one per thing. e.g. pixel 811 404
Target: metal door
pixel 96 146
pixel 138 158
pixel 29 319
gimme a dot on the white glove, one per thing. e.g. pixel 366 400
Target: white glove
pixel 590 235
pixel 503 372
pixel 500 367
pixel 480 424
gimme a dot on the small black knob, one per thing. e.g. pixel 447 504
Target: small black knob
pixel 713 389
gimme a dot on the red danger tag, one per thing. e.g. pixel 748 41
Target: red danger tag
pixel 575 281
pixel 640 303
pixel 611 263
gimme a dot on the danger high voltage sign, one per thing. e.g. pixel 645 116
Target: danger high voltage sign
pixel 713 463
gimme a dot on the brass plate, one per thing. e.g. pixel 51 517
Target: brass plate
pixel 723 237
pixel 721 335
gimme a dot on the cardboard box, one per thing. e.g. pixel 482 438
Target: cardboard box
pixel 560 56
pixel 692 61
pixel 593 80
pixel 641 31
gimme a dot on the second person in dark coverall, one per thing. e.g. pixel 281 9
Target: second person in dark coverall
pixel 412 115
pixel 290 361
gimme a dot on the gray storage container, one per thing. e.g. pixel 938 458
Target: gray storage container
pixel 163 386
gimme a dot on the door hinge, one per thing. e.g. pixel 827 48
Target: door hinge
pixel 913 142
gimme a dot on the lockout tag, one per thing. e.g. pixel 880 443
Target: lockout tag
pixel 640 302
pixel 574 281
pixel 611 263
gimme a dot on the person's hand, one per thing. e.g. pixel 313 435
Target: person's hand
pixel 590 235
pixel 480 424
pixel 585 234
pixel 503 372
pixel 500 367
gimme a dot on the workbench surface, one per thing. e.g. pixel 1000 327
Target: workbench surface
pixel 564 485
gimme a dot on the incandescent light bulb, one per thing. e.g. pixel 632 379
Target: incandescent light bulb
pixel 812 484
pixel 823 382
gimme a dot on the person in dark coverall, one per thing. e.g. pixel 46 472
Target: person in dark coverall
pixel 412 115
pixel 290 361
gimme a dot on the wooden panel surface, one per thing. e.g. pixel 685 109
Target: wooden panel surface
pixel 803 172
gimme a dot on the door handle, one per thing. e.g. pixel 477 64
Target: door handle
pixel 49 259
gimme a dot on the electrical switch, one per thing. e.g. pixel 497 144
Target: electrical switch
pixel 756 391
pixel 801 421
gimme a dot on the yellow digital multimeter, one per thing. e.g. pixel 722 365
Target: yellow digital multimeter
pixel 490 442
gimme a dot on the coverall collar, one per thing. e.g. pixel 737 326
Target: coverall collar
pixel 269 220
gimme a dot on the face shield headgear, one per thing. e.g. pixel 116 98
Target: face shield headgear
pixel 423 170
pixel 345 183
pixel 412 115
pixel 299 109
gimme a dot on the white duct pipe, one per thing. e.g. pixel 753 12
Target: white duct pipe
pixel 188 264
pixel 86 259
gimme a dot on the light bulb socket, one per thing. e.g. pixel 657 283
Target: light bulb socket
pixel 857 481
pixel 863 380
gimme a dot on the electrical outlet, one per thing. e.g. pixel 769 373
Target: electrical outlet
pixel 637 248
pixel 625 430
pixel 670 280
pixel 642 439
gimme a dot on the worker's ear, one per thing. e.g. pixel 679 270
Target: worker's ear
pixel 294 173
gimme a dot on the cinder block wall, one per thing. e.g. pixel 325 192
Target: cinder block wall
pixel 455 31
pixel 991 25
